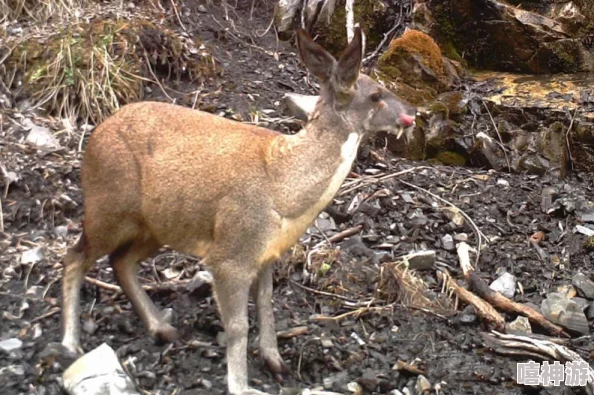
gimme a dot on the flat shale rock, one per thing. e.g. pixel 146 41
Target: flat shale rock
pixel 584 285
pixel 520 325
pixel 98 373
pixel 565 312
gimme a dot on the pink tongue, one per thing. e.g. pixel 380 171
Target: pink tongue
pixel 406 120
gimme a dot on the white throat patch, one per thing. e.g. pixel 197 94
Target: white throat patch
pixel 349 148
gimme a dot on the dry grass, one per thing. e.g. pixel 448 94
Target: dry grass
pixel 400 285
pixel 39 10
pixel 90 69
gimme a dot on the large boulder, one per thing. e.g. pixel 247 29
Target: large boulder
pixel 535 37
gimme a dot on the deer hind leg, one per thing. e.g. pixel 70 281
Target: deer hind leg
pixel 262 293
pixel 76 264
pixel 125 261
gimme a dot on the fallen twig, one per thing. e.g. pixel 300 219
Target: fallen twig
pixel 356 313
pixel 293 332
pixel 166 286
pixel 483 309
pixel 315 291
pixel 350 20
pixel 463 250
pixel 358 183
pixel 177 15
pixel 567 135
pixel 53 311
pixel 148 64
pixel 345 233
pixel 102 284
pixel 499 301
pixel 401 365
pixel 386 36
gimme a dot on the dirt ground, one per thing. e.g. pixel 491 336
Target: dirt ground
pixel 42 212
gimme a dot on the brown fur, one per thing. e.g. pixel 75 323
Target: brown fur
pixel 237 195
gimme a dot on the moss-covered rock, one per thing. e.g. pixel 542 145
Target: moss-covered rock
pixel 414 68
pixel 413 45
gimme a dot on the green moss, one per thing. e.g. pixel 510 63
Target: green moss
pixel 449 50
pixel 453 101
pixel 439 108
pixel 446 36
pixel 566 57
pixel 451 158
pixel 369 14
pixel 589 243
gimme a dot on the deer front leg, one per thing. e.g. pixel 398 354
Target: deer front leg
pixel 231 290
pixel 262 294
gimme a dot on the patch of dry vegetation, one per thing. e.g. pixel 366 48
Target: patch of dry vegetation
pixel 38 10
pixel 399 284
pixel 88 69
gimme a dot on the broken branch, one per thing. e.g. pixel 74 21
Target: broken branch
pixel 166 286
pixel 499 301
pixel 483 309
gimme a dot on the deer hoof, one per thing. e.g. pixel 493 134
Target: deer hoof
pixel 274 363
pixel 165 334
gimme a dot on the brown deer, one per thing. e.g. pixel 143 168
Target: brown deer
pixel 237 195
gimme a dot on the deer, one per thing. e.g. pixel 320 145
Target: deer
pixel 236 195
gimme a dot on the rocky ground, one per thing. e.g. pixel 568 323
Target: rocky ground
pixel 349 318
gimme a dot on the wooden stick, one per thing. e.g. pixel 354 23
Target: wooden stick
pixel 481 288
pixel 345 233
pixel 483 309
pixel 167 286
pixel 497 300
pixel 53 311
pixel 402 365
pixel 293 332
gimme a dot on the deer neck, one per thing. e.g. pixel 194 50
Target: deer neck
pixel 332 138
pixel 310 166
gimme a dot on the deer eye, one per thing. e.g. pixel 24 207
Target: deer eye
pixel 376 96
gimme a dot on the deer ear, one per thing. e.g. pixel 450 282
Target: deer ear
pixel 349 64
pixel 317 60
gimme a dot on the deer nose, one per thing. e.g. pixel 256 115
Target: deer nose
pixel 406 120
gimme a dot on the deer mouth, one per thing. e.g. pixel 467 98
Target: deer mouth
pixel 405 122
